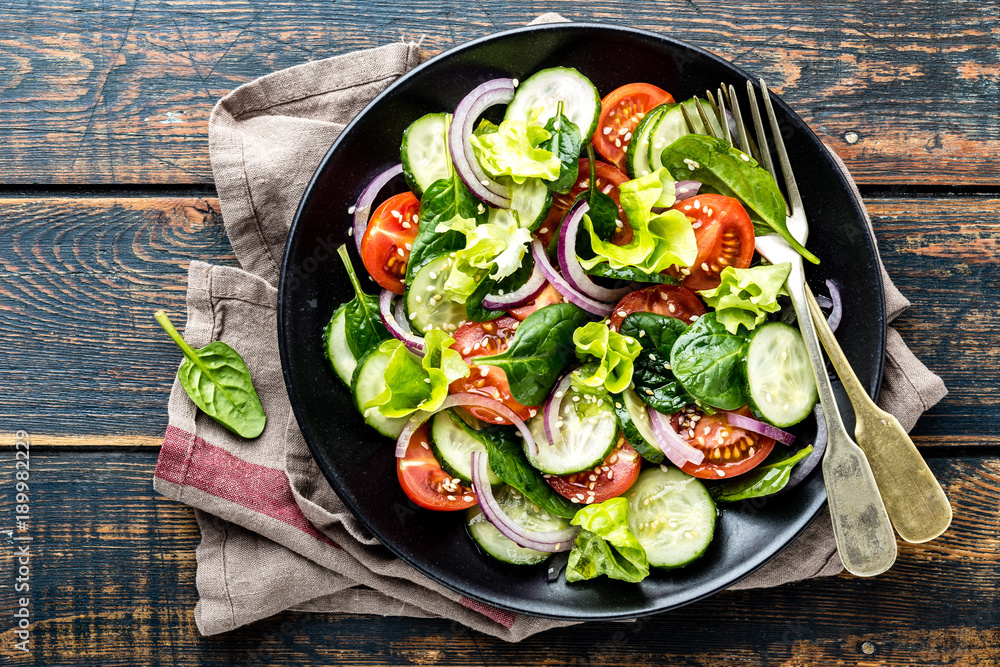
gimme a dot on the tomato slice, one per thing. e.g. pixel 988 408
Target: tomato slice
pixel 425 483
pixel 670 300
pixel 616 474
pixel 725 237
pixel 608 179
pixel 729 451
pixel 385 247
pixel 546 297
pixel 621 111
pixel 478 339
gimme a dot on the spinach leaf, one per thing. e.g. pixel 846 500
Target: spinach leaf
pixel 708 361
pixel 654 381
pixel 763 480
pixel 218 381
pixel 508 462
pixel 474 308
pixel 565 143
pixel 733 173
pixel 540 350
pixel 362 323
pixel 630 274
pixel 603 211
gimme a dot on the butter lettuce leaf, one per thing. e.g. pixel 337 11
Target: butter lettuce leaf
pixel 614 353
pixel 746 296
pixel 606 545
pixel 513 150
pixel 492 250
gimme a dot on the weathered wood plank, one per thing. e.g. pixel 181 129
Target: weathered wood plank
pixel 122 93
pixel 80 278
pixel 112 583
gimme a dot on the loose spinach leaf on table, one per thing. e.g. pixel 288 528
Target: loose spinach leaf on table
pixel 508 462
pixel 539 351
pixel 654 381
pixel 707 360
pixel 217 379
pixel 444 200
pixel 362 323
pixel 565 143
pixel 766 479
pixel 733 173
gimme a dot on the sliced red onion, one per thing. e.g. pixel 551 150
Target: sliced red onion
pixel 766 430
pixel 520 296
pixel 461 400
pixel 824 301
pixel 550 541
pixel 838 307
pixel 550 417
pixel 685 189
pixel 563 287
pixel 497 91
pixel 363 208
pixel 570 263
pixel 807 465
pixel 674 447
pixel 399 330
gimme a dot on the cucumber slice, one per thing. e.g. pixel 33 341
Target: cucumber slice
pixel 636 427
pixel 672 515
pixel 424 152
pixel 671 126
pixel 453 442
pixel 367 383
pixel 522 511
pixel 531 201
pixel 336 349
pixel 427 304
pixel 586 440
pixel 637 154
pixel 779 377
pixel 549 87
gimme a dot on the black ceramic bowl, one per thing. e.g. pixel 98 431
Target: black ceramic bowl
pixel 360 464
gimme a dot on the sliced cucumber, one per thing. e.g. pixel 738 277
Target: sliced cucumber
pixel 523 512
pixel 780 380
pixel 531 201
pixel 634 422
pixel 637 154
pixel 427 304
pixel 672 515
pixel 367 383
pixel 547 88
pixel 336 349
pixel 424 152
pixel 454 441
pixel 588 433
pixel 671 126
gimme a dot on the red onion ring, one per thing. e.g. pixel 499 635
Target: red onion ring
pixel 550 541
pixel 563 287
pixel 459 400
pixel 685 189
pixel 550 417
pixel 673 445
pixel 522 295
pixel 756 426
pixel 363 208
pixel 570 263
pixel 806 466
pixel 497 91
pixel 399 329
pixel 838 307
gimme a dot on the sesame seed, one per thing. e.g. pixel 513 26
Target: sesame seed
pixel 406 225
pixel 607 130
pixel 543 230
pixel 628 136
pixel 419 299
pixel 622 313
pixel 622 131
pixel 514 82
pixel 468 499
pixel 399 251
pixel 350 231
pixel 618 143
pixel 351 210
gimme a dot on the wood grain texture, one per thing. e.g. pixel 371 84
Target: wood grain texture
pixel 113 584
pixel 121 92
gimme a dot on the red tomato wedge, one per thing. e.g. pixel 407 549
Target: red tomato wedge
pixel 425 483
pixel 608 180
pixel 725 237
pixel 670 300
pixel 612 478
pixel 385 247
pixel 621 111
pixel 728 451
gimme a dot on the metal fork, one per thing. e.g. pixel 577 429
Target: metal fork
pixel 861 526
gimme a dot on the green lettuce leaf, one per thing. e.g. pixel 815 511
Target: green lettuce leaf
pixel 606 545
pixel 513 150
pixel 494 249
pixel 746 296
pixel 613 351
pixel 413 383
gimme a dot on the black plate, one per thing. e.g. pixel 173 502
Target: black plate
pixel 360 464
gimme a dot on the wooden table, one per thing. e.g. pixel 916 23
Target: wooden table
pixel 107 196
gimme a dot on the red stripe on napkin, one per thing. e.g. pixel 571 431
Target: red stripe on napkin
pixel 191 461
pixel 504 618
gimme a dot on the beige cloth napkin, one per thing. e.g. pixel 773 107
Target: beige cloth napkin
pixel 274 534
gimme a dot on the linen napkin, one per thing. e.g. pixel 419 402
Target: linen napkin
pixel 275 536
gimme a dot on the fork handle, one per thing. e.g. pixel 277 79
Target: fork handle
pixel 917 506
pixel 861 525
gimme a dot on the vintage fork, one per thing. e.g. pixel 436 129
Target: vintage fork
pixel 861 526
